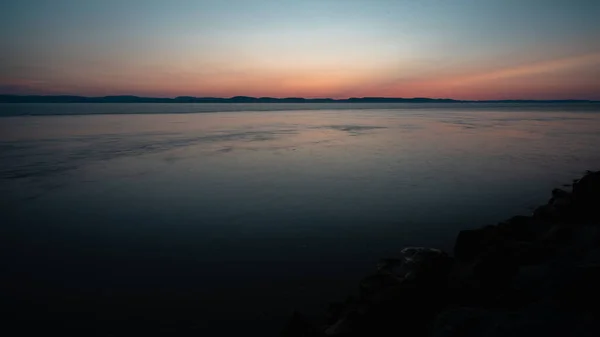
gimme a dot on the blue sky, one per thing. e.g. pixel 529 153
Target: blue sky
pixel 436 48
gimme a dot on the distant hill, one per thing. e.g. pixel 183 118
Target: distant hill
pixel 246 99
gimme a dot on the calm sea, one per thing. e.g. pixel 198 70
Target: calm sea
pixel 223 218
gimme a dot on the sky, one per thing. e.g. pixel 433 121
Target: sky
pixel 461 49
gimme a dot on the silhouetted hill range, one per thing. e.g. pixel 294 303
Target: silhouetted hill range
pixel 246 99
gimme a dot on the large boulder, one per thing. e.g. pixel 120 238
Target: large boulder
pixel 586 196
pixel 343 327
pixel 378 282
pixel 393 311
pixel 415 264
pixel 425 265
pixel 300 326
pixel 587 189
pixel 522 228
pixel 488 277
pixel 464 322
pixel 404 294
pixel 471 243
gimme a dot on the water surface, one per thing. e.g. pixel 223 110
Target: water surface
pixel 170 219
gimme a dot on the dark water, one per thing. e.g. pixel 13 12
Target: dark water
pixel 223 223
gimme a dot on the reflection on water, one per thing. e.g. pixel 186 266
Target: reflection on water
pixel 245 215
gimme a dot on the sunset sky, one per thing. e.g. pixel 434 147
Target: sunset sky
pixel 462 49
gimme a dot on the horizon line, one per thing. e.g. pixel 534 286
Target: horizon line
pixel 10 97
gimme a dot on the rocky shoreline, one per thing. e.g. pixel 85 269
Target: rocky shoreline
pixel 528 275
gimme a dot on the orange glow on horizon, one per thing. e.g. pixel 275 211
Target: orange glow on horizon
pixel 558 78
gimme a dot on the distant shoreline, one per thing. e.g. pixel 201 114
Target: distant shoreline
pixel 247 99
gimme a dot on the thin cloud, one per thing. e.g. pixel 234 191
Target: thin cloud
pixel 531 69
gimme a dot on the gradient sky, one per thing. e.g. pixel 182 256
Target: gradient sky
pixel 463 49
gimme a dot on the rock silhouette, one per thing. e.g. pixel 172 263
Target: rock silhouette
pixel 528 275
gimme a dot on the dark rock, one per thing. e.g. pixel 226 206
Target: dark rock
pixel 425 265
pixel 583 293
pixel 527 275
pixel 522 228
pixel 584 237
pixel 389 265
pixel 299 326
pixel 471 243
pixel 543 318
pixel 338 310
pixel 496 268
pixel 592 257
pixel 563 205
pixel 343 327
pixel 587 325
pixel 483 281
pixel 558 193
pixel 378 282
pixel 532 280
pixel 560 208
pixel 396 311
pixel 586 196
pixel 546 213
pixel 404 293
pixel 558 234
pixel 533 252
pixel 463 322
pixel 588 187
